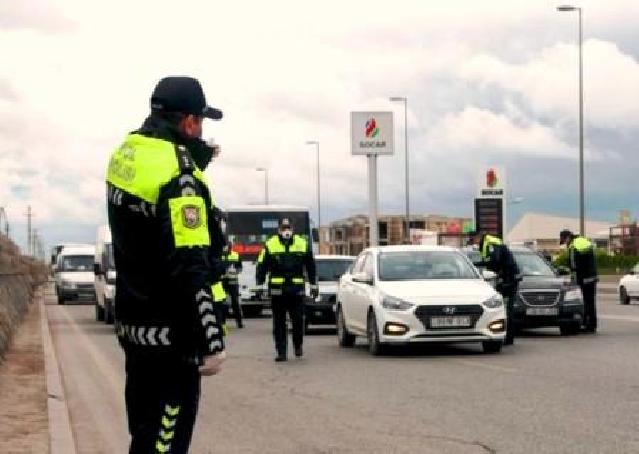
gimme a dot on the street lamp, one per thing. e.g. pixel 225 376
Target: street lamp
pixel 319 215
pixel 405 101
pixel 582 228
pixel 265 170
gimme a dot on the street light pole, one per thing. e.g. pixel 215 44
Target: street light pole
pixel 319 214
pixel 265 170
pixel 407 226
pixel 582 222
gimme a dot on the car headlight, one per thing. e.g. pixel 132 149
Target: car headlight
pixel 494 302
pixel 573 294
pixel 395 304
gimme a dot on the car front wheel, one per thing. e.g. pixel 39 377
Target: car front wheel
pixel 569 329
pixel 492 346
pixel 344 338
pixel 623 296
pixel 375 347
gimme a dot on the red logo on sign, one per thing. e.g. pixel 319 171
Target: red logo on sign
pixel 491 178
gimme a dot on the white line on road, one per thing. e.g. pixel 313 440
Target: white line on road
pixel 114 380
pixel 621 318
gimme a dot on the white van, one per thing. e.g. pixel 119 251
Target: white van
pixel 74 274
pixel 104 270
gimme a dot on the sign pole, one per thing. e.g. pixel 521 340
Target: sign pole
pixel 372 199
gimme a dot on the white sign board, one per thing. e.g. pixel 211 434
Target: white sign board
pixel 372 133
pixel 491 183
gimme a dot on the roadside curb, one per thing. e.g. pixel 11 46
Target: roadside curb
pixel 60 435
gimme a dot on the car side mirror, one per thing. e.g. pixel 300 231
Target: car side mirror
pixel 363 278
pixel 97 269
pixel 563 271
pixel 631 272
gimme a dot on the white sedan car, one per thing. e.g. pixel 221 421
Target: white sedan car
pixel 629 286
pixel 407 294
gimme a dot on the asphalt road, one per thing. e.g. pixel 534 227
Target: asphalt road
pixel 547 394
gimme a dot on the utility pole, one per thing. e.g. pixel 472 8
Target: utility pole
pixel 29 230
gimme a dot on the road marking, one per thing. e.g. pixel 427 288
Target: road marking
pixel 621 318
pixel 478 364
pixel 114 380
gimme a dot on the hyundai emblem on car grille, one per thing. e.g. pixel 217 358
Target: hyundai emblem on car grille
pixel 449 310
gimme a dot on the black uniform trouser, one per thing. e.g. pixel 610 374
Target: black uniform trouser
pixel 589 292
pixel 294 305
pixel 233 290
pixel 162 398
pixel 508 293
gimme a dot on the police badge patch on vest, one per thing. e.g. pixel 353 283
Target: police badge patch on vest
pixel 191 217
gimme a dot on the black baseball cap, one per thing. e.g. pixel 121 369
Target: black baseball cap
pixel 184 95
pixel 285 223
pixel 564 235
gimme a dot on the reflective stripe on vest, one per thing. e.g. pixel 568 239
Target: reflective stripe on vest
pixel 142 165
pixel 581 244
pixel 275 245
pixel 489 240
pixel 232 257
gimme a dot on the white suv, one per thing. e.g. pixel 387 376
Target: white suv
pixel 407 294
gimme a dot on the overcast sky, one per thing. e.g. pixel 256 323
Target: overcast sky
pixel 490 82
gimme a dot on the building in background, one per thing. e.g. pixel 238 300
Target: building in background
pixel 541 231
pixel 350 236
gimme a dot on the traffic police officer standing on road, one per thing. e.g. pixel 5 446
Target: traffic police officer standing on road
pixel 166 321
pixel 497 258
pixel 284 258
pixel 581 258
pixel 233 267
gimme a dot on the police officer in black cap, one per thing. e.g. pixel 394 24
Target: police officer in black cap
pixel 583 264
pixel 284 258
pixel 167 324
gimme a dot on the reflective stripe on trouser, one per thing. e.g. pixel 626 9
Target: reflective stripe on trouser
pixel 161 400
pixel 167 428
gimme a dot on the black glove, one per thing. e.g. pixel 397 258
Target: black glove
pixel 314 291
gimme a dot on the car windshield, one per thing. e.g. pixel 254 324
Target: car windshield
pixel 331 269
pixel 77 263
pixel 422 265
pixel 531 264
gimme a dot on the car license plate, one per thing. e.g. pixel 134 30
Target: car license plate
pixel 542 311
pixel 450 322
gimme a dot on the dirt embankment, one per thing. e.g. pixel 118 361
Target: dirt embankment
pixel 19 277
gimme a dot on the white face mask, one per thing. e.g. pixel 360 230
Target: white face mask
pixel 286 234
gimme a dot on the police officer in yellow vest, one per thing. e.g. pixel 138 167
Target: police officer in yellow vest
pixel 233 267
pixel 497 258
pixel 582 261
pixel 167 324
pixel 284 258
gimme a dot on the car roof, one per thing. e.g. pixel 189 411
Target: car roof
pixel 411 247
pixel 334 257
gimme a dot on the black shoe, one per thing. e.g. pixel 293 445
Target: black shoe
pixel 509 341
pixel 298 351
pixel 280 357
pixel 240 325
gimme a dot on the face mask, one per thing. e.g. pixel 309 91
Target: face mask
pixel 200 152
pixel 286 234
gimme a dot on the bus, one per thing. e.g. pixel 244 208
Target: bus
pixel 248 227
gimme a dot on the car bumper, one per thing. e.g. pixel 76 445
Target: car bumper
pixel 566 313
pixel 81 295
pixel 419 332
pixel 319 313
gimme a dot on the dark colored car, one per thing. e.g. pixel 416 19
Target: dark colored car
pixel 545 296
pixel 321 311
